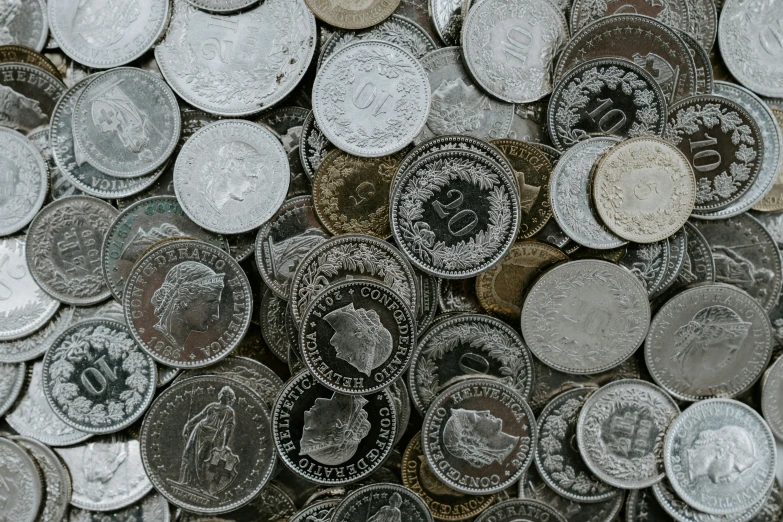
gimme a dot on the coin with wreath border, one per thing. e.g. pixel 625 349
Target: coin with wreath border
pixel 23 483
pixel 674 13
pixel 27 181
pixel 56 479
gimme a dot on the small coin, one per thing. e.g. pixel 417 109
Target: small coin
pixel 62 249
pixel 231 176
pixel 329 438
pixel 24 483
pixel 698 265
pixel 585 316
pixel 772 391
pixel 675 508
pixel 371 98
pixel 773 200
pixel 25 24
pixel 478 436
pixel 701 59
pixel 612 447
pixel 273 324
pixel 187 303
pixel 30 95
pixel 11 381
pixel 382 500
pixel 712 432
pixel 313 145
pixel 641 505
pixel 57 481
pixel 318 512
pixel 553 235
pixel 716 325
pixel 24 54
pixel 26 181
pixel 152 508
pixel 648 262
pixel 350 14
pixel 59 185
pixel 222 6
pixel 287 122
pixel 511 510
pixel 675 14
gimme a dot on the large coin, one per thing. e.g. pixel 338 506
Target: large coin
pixel 672 13
pixel 23 483
pixel 620 432
pixel 25 23
pixel 239 64
pixel 353 14
pixel 371 98
pixel 231 176
pixel 57 480
pixel 152 508
pixel 512 511
pixel 27 95
pixel 380 500
pixel 585 316
pixel 720 456
pixel 273 503
pixel 772 391
pixel 25 181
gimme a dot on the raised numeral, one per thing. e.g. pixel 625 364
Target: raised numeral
pixel 611 121
pixel 705 160
pixel 367 94
pixel 96 379
pixel 517 43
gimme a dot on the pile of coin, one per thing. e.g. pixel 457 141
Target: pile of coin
pixel 391 260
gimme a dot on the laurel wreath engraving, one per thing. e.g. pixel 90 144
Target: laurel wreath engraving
pixel 739 30
pixel 22 502
pixel 24 315
pixel 650 260
pixel 27 187
pixel 392 31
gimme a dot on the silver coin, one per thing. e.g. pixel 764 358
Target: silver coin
pixel 703 22
pixel 720 456
pixel 272 504
pixel 222 6
pixel 418 11
pixel 223 65
pixel 371 98
pixel 231 176
pixel 678 247
pixel 746 256
pixel 585 316
pixel 26 307
pixel 287 122
pixel 300 184
pixel 510 45
pixel 716 326
pixel 57 481
pixel 313 146
pixel 682 512
pixel 25 23
pixel 704 75
pixel 241 246
pixel 569 188
pixel 675 13
pixel 698 265
pixel 529 125
pixel 641 505
pixel 273 324
pixel 384 502
pixel 26 181
pixel 773 223
pixel 447 16
pixel 620 432
pixel 512 510
pixel 152 508
pixel 33 346
pixel 552 234
pixel 771 393
pixel 649 262
pixel 63 249
pixel 402 405
pixel 319 512
pixel 107 473
pixel 29 94
pixel 59 185
pixel 23 483
pixel 33 417
pixel 459 295
pixel 427 299
pixel 478 436
pixel 11 380
pixel 773 506
pixel 468 345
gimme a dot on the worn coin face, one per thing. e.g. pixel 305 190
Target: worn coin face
pixel 673 13
pixel 187 303
pixel 714 325
pixel 585 316
pixel 29 95
pixel 231 176
pixel 620 432
pixel 644 189
pixel 352 14
pixel 26 181
pixel 25 487
pixel 329 438
pixel 273 324
pixel 648 262
pixel 720 456
pixel 512 510
pixel 458 296
pixel 371 98
pixel 382 500
pixel 56 479
pixel 772 391
pixel 222 6
pixel 11 381
pixel 478 436
pixel 152 508
pixel 510 45
pixel 25 23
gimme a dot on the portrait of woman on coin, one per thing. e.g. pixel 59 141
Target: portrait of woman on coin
pixel 359 337
pixel 334 428
pixel 236 171
pixel 477 437
pixel 722 454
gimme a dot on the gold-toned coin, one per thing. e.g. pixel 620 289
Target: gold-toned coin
pixel 444 502
pixel 352 14
pixel 501 289
pixel 533 169
pixel 614 255
pixel 773 201
pixel 21 54
pixel 351 194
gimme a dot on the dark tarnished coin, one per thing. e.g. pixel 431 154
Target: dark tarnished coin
pixel 11 380
pixel 357 337
pixel 152 508
pixel 380 502
pixel 329 438
pixel 521 510
pixel 649 262
pixel 701 59
pixel 676 508
pixel 24 23
pixel 698 265
pixel 27 95
pixel 602 97
pixel 418 11
pixel 274 312
pixel 313 145
pixel 352 14
pixel 427 299
pixel 585 316
pixel 57 480
pixel 720 456
pixel 241 246
pixel 22 482
pixel 25 181
pixel 459 295
pixel 478 436
pixel 771 394
pixel 674 13
pixel 553 235
pixel 24 54
pixel 620 432
pixel 320 511
pixel 187 303
pixel 300 184
pixel 641 505
pixel 287 122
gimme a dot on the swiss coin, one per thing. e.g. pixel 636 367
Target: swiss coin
pixel 478 436
pixel 427 297
pixel 320 511
pixel 701 59
pixel 59 185
pixel 708 326
pixel 219 455
pixel 241 246
pixel 28 94
pixel 698 265
pixel 773 223
pixel 418 11
pixel 772 391
pixel 231 176
pixel 24 483
pixel 620 432
pixel 607 96
pixel 382 500
pixel 649 262
pixel 553 235
pixel 271 504
pixel 447 16
pixel 371 98
pixel 458 296
pixel 641 505
pixel 57 480
pixel 511 510
pixel 287 122
pixel 674 14
pixel 702 439
pixel 222 6
pixel 25 181
pixel 63 249
pixel 585 316
pixel 313 145
pixel 152 508
pixel 773 200
pixel 529 125
pixel 703 22
pixel 678 246
pixel 674 507
pixel 773 505
pixel 349 14
pixel 11 381
pixel 274 311
pixel 329 438
pixel 25 54
pixel 25 23
pixel 300 184
pixel 187 303
pixel 402 405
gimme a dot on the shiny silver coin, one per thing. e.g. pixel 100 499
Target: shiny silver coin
pixel 720 456
pixel 240 246
pixel 62 249
pixel 318 512
pixel 300 184
pixel 649 262
pixel 219 455
pixel 313 146
pixel 231 176
pixel 23 483
pixel 402 405
pixel 29 94
pixel 57 480
pixel 152 508
pixel 274 43
pixel 287 122
pixel 609 441
pixel 703 25
pixel 222 6
pixel 585 316
pixel 371 98
pixel 26 182
pixel 458 296
pixel 427 297
pixel 708 341
pixel 447 17
pixel 682 512
pixel 512 510
pixel 25 23
pixel 771 393
pixel 478 436
pixel 273 503
pixel 383 502
pixel 272 319
pixel 11 380
pixel 59 185
pixel 510 46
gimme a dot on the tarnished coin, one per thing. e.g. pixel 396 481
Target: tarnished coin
pixel 773 200
pixel 553 235
pixel 25 181
pixel 320 511
pixel 644 189
pixel 11 380
pixel 152 508
pixel 57 480
pixel 313 145
pixel 510 45
pixel 620 432
pixel 63 249
pixel 641 505
pixel 222 6
pixel 746 256
pixel 329 438
pixel 384 502
pixel 418 11
pixel 478 436
pixel 569 190
pixel 529 125
pixel 720 456
pixel 287 122
pixel 709 326
pixel 271 504
pixel 371 98
pixel 10 53
pixel 701 59
pixel 772 391
pixel 677 509
pixel 351 194
pixel 187 303
pixel 585 316
pixel 352 14
pixel 273 44
pixel 512 510
pixel 673 13
pixel 648 262
pixel 501 289
pixel 59 185
pixel 231 176
pixel 241 246
pixel 23 483
pixel 27 94
pixel 698 265
pixel 25 23
pixel 214 455
pixel 558 461
pixel 273 325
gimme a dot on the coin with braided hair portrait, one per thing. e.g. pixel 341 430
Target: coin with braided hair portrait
pixel 187 303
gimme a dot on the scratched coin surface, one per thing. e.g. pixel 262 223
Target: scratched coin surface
pixel 25 181
pixel 23 483
pixel 772 391
pixel 28 95
pixel 381 502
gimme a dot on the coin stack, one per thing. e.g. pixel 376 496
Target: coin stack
pixel 391 260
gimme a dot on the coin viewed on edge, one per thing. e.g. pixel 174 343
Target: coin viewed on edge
pixel 773 200
pixel 352 14
pixel 24 484
pixel 26 181
pixel 382 500
pixel 12 378
pixel 510 510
